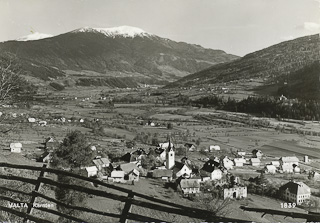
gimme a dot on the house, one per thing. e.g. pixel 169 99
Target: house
pixel 210 173
pixel 45 157
pixel 164 174
pixel 241 153
pixel 165 145
pixel 235 192
pixel 161 153
pixel 275 163
pixel 239 161
pixel 296 192
pixel 43 123
pixel 92 171
pixel 117 176
pixel 257 154
pixel 214 148
pixel 101 163
pixel 127 167
pixel 182 169
pixel 132 175
pixel 190 147
pixel 286 168
pixel 190 186
pixel 15 147
pixel 31 120
pixel 289 160
pixel 226 163
pixel 296 169
pixel 313 175
pixel 270 169
pixel 255 162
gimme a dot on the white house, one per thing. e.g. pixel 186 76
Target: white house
pixel 289 160
pixel 275 163
pixel 241 153
pixel 226 163
pixel 182 169
pixel 210 173
pixel 15 147
pixel 117 176
pixel 190 186
pixel 296 192
pixel 92 171
pixel 239 161
pixel 257 154
pixel 32 120
pixel 255 161
pixel 270 169
pixel 287 168
pixel 214 148
pixel 43 123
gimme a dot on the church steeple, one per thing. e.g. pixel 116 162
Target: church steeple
pixel 170 162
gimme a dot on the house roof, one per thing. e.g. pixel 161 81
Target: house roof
pixel 239 160
pixel 117 174
pixel 255 160
pixel 162 173
pixel 189 145
pixel 275 162
pixel 91 169
pixel 135 172
pixel 189 183
pixel 127 167
pixel 289 159
pixel 271 167
pixel 15 145
pixel 297 188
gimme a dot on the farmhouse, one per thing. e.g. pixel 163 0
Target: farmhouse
pixel 257 154
pixel 296 192
pixel 275 163
pixel 226 162
pixel 270 169
pixel 127 167
pixel 214 148
pixel 132 175
pixel 190 147
pixel 182 169
pixel 45 157
pixel 15 147
pixel 101 162
pixel 241 153
pixel 117 176
pixel 313 175
pixel 210 173
pixel 235 192
pixel 161 153
pixel 164 174
pixel 255 162
pixel 190 186
pixel 239 161
pixel 92 171
pixel 289 160
pixel 287 168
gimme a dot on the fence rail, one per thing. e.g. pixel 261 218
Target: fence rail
pixel 132 199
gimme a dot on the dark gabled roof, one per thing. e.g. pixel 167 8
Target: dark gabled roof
pixel 189 145
pixel 189 183
pixel 295 188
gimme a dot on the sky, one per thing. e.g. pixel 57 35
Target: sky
pixel 236 26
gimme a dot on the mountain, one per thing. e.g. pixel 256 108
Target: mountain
pixel 286 63
pixel 119 54
pixel 34 36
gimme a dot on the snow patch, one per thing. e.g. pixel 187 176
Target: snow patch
pixel 34 36
pixel 125 31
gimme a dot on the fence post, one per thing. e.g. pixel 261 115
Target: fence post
pixel 126 208
pixel 37 188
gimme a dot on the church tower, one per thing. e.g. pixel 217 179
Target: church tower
pixel 170 156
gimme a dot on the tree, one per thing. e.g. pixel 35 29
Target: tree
pixel 12 85
pixel 73 152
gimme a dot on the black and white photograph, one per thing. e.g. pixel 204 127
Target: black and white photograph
pixel 159 111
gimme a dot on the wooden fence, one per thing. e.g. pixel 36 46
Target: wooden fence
pixel 111 192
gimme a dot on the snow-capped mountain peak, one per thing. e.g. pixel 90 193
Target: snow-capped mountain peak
pixel 125 31
pixel 34 36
